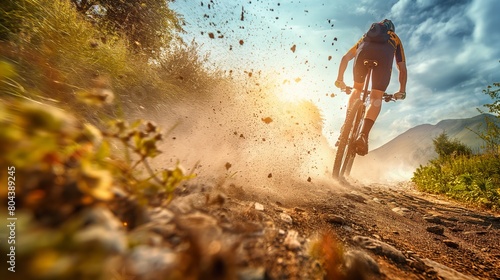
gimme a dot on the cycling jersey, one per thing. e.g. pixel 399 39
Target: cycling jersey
pixel 394 41
pixel 383 53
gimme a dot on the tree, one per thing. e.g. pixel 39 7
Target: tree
pixel 492 134
pixel 445 147
pixel 148 24
pixel 10 19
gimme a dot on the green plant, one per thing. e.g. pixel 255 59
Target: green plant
pixel 66 180
pixel 471 179
pixel 445 147
pixel 492 135
pixel 149 25
pixel 139 141
pixel 56 52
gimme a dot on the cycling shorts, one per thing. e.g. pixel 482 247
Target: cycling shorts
pixel 381 75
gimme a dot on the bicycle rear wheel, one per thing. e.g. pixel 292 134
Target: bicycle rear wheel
pixel 346 150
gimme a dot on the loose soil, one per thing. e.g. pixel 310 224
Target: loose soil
pixel 394 231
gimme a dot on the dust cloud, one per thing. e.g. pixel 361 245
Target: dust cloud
pixel 246 137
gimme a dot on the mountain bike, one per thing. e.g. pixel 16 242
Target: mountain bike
pixel 346 148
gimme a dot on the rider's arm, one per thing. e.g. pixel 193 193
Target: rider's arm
pixel 345 60
pixel 400 63
pixel 403 74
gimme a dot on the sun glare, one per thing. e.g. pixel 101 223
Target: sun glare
pixel 293 90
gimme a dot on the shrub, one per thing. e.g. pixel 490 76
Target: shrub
pixel 149 25
pixel 473 180
pixel 445 147
pixel 67 181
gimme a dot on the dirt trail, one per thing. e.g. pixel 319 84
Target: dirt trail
pixel 393 232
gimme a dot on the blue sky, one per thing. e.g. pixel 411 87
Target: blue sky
pixel 451 49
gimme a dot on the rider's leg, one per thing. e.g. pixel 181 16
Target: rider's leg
pixel 371 115
pixel 357 89
pixel 372 111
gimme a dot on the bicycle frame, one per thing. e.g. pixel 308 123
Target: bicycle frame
pixel 346 150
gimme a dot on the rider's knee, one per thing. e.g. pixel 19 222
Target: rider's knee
pixel 376 102
pixel 376 97
pixel 358 86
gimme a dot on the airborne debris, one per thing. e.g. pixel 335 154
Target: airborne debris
pixel 228 165
pixel 293 48
pixel 267 120
pixel 259 207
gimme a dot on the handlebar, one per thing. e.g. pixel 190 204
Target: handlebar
pixel 387 97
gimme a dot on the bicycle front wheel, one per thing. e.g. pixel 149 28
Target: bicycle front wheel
pixel 346 150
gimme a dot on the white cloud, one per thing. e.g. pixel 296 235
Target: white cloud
pixel 451 48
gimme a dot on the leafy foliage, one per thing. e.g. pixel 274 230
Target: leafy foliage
pixel 56 53
pixel 148 24
pixel 492 135
pixel 472 180
pixel 10 19
pixel 445 147
pixel 65 172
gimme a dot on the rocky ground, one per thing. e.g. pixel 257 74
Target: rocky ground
pixel 352 231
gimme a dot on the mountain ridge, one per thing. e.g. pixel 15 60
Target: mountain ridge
pixel 402 155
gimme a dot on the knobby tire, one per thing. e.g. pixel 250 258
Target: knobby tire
pixel 346 150
pixel 358 123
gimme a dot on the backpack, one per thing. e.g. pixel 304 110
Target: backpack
pixel 377 33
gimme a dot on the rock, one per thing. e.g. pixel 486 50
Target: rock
pixel 201 223
pixel 377 200
pixel 335 219
pixel 216 199
pixel 417 263
pixel 259 207
pixel 286 218
pixel 475 232
pixel 451 244
pixel 291 240
pixel 439 230
pixel 161 215
pixel 355 197
pixel 145 260
pixel 258 273
pixel 103 228
pixel 380 248
pixel 359 265
pixel 401 211
pixel 143 235
pixel 299 210
pixel 456 229
pixel 447 273
pixel 433 219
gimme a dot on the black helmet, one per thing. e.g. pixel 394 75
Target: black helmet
pixel 388 23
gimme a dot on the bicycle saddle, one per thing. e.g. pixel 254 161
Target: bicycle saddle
pixel 370 63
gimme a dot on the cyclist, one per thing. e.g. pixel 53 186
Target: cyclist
pixel 370 46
